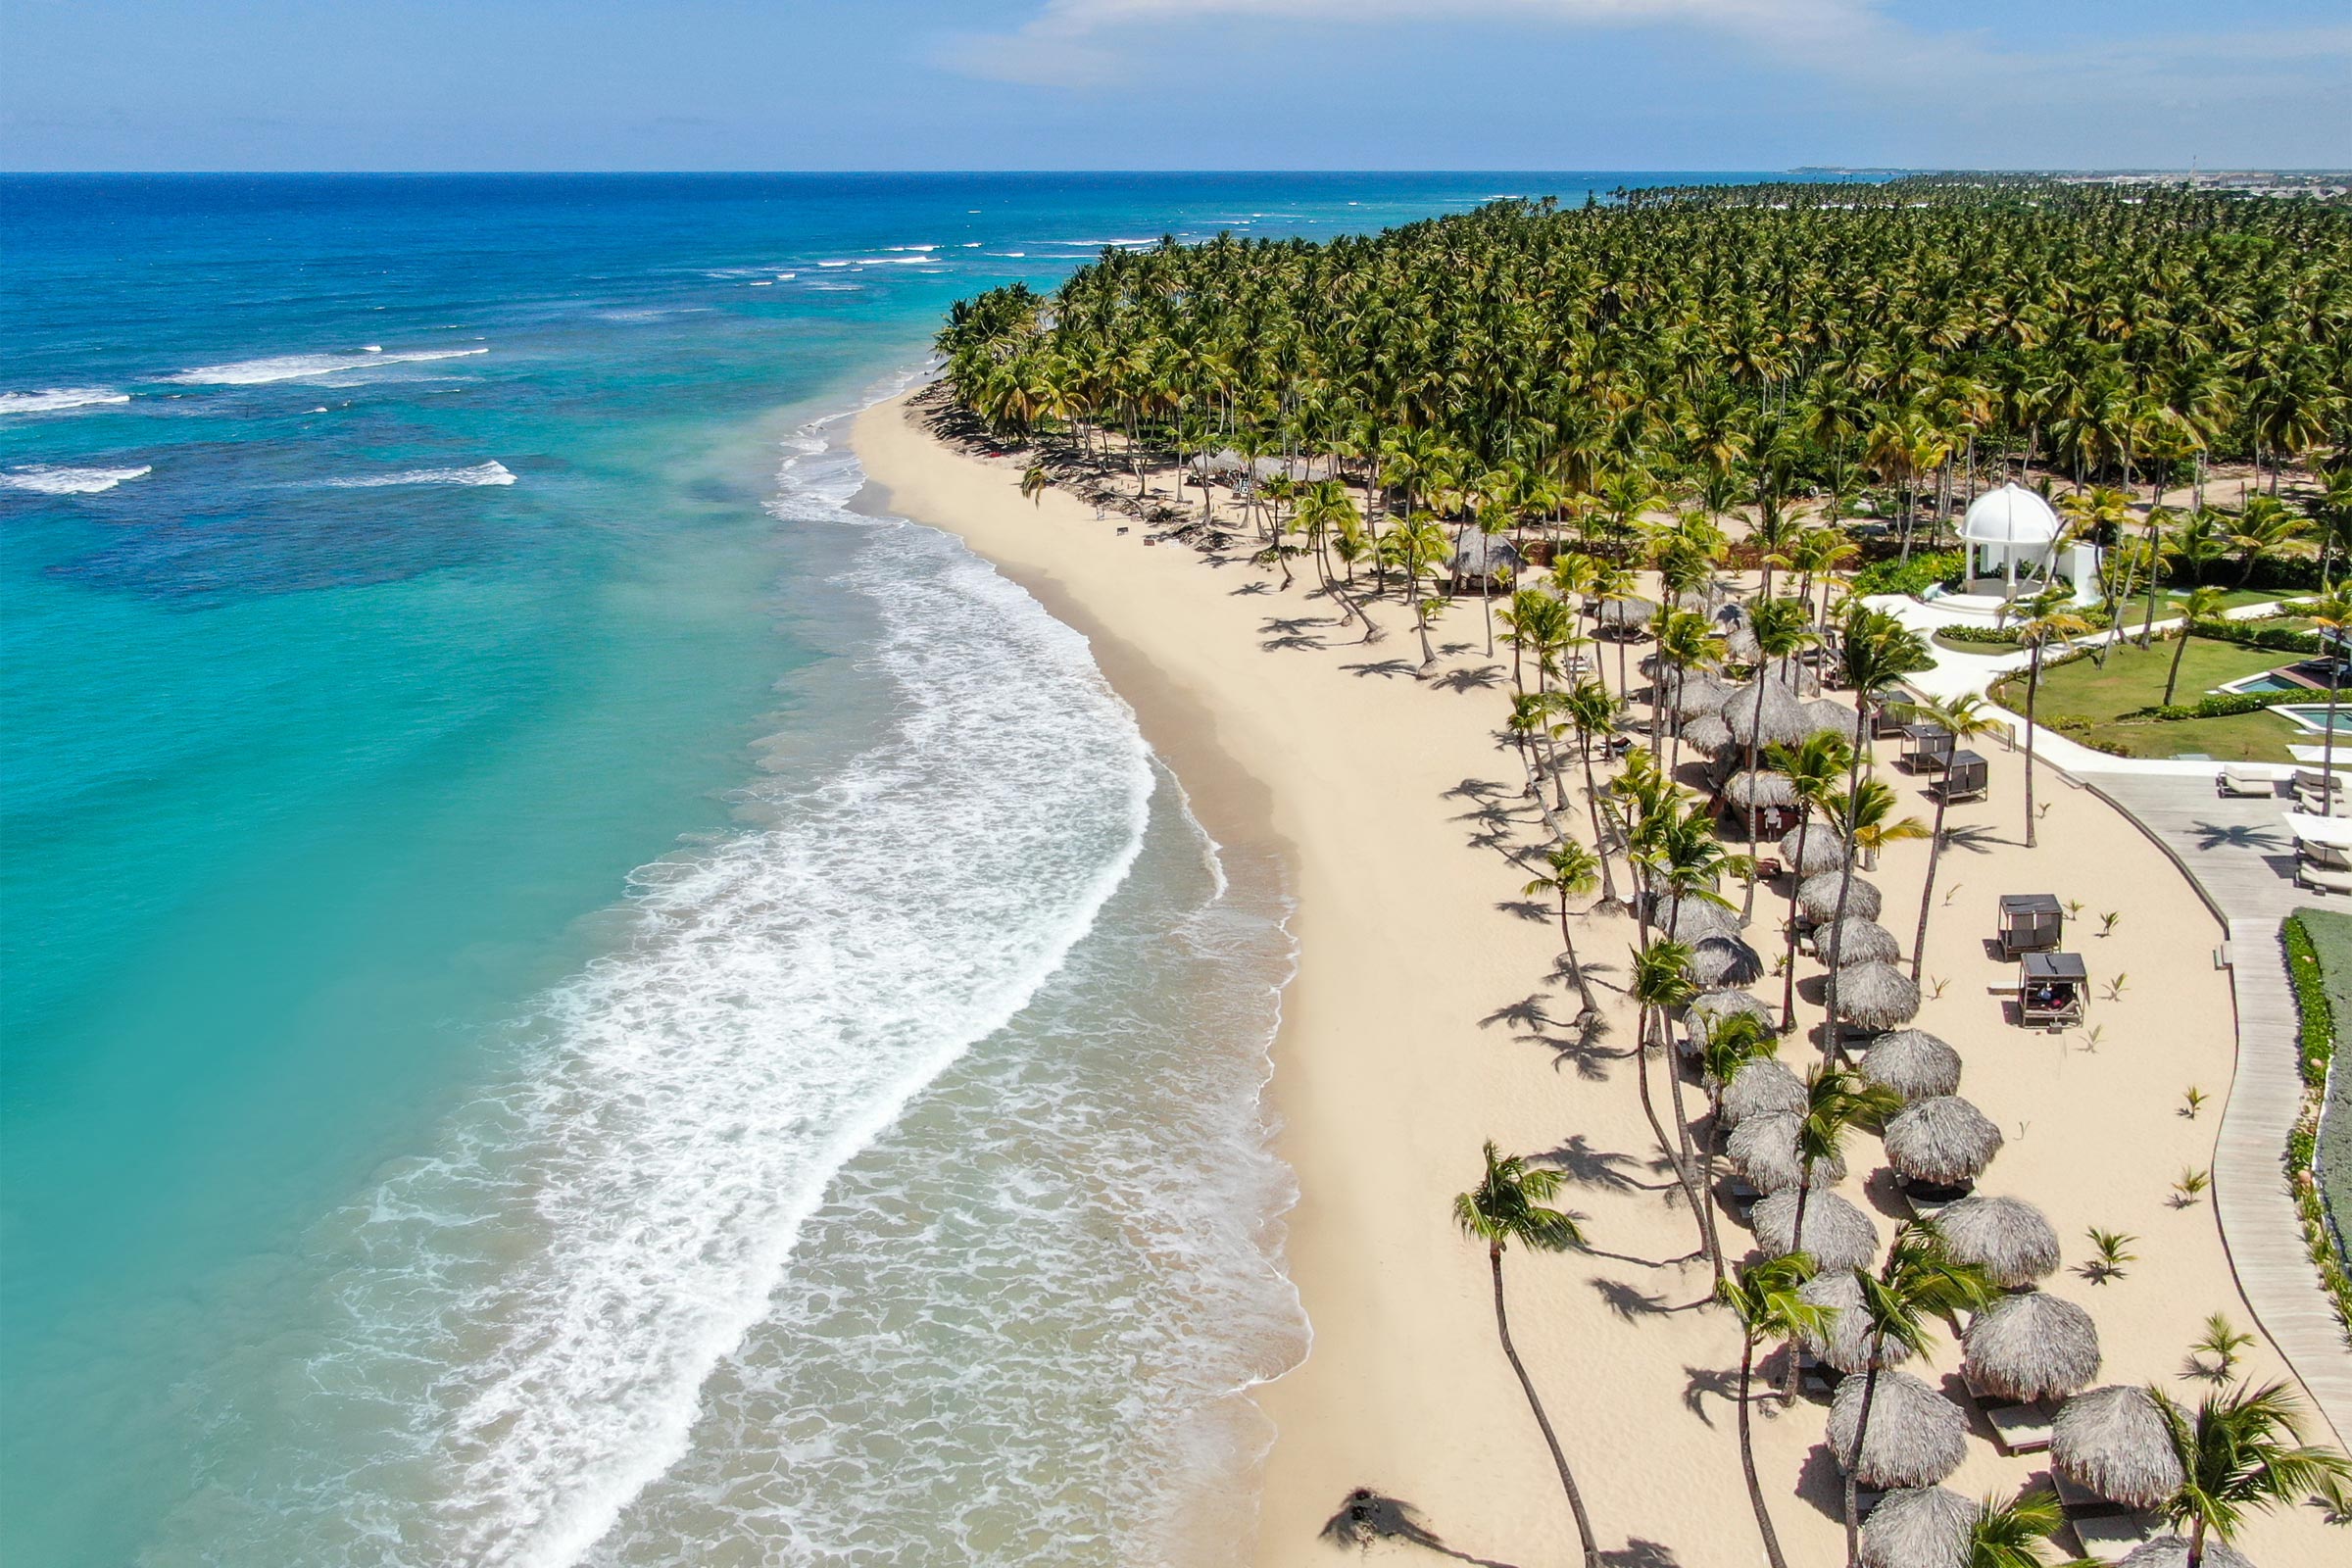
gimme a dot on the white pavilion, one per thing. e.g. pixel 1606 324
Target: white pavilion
pixel 2012 539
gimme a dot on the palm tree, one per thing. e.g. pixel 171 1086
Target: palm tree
pixel 1763 1298
pixel 2203 604
pixel 1593 710
pixel 2331 616
pixel 2010 1534
pixel 1812 768
pixel 2049 623
pixel 1965 718
pixel 2243 1453
pixel 1507 1206
pixel 1570 869
pixel 1918 1280
pixel 1661 984
pixel 1866 824
pixel 1781 627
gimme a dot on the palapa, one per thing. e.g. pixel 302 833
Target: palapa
pixel 2170 1552
pixel 1917 1437
pixel 1817 894
pixel 1698 698
pixel 1876 995
pixel 1712 1006
pixel 1707 733
pixel 2113 1442
pixel 1740 644
pixel 1942 1139
pixel 1824 851
pixel 1760 1088
pixel 1783 717
pixel 1691 917
pixel 1843 1340
pixel 1914 1063
pixel 1622 615
pixel 1759 791
pixel 1838 1235
pixel 2007 1238
pixel 1763 1149
pixel 2031 1346
pixel 1853 941
pixel 1830 716
pixel 1718 962
pixel 1919 1527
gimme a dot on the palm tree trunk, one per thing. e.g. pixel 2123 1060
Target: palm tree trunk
pixel 1576 1500
pixel 2327 741
pixel 1804 829
pixel 2032 690
pixel 1576 970
pixel 1919 942
pixel 1853 1504
pixel 2172 676
pixel 1796 1244
pixel 1609 898
pixel 1747 1457
pixel 1845 888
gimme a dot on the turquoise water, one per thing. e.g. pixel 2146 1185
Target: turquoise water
pixel 559 980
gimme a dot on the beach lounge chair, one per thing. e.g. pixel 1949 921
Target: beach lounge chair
pixel 2246 779
pixel 2319 878
pixel 2018 1426
pixel 2102 1529
pixel 2313 789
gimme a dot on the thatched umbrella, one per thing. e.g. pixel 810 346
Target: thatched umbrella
pixel 1876 995
pixel 1829 716
pixel 1784 716
pixel 1707 1010
pixel 1760 1088
pixel 1718 962
pixel 2007 1238
pixel 1622 615
pixel 2031 1346
pixel 1917 1437
pixel 1707 733
pixel 1824 851
pixel 1689 917
pixel 1845 1340
pixel 2113 1442
pixel 1699 697
pixel 2170 1552
pixel 1837 1233
pixel 1760 790
pixel 1763 1149
pixel 1740 642
pixel 1853 941
pixel 1942 1139
pixel 1794 674
pixel 1913 1063
pixel 1919 1527
pixel 1817 894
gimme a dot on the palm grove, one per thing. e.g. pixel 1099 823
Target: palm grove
pixel 1607 387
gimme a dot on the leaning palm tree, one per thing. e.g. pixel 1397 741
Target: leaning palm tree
pixel 1782 627
pixel 1593 710
pixel 2331 616
pixel 1812 768
pixel 2202 603
pixel 1763 1298
pixel 2050 623
pixel 1661 984
pixel 1965 718
pixel 2243 1452
pixel 1918 1281
pixel 1865 822
pixel 1569 870
pixel 1835 1098
pixel 1507 1206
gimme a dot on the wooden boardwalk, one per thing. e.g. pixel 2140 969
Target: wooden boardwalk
pixel 2241 857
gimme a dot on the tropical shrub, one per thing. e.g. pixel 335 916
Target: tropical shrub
pixel 2314 1050
pixel 1943 567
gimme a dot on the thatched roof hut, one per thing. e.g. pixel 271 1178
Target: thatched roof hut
pixel 2007 1238
pixel 1483 556
pixel 1760 1088
pixel 1784 716
pixel 1707 733
pixel 1760 790
pixel 1845 1340
pixel 1719 962
pixel 2031 1346
pixel 1625 615
pixel 1942 1139
pixel 1817 894
pixel 1824 851
pixel 1701 696
pixel 1876 995
pixel 2170 1552
pixel 1830 716
pixel 1740 642
pixel 1912 1062
pixel 1919 1527
pixel 1799 678
pixel 1691 917
pixel 1710 1006
pixel 1764 1149
pixel 2113 1442
pixel 1854 941
pixel 1837 1233
pixel 1917 1437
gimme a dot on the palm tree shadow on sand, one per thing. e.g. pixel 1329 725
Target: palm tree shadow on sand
pixel 1366 1517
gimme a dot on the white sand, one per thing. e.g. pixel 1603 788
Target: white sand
pixel 1415 1028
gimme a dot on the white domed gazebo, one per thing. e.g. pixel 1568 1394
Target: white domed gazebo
pixel 2011 533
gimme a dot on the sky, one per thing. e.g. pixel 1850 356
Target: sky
pixel 881 84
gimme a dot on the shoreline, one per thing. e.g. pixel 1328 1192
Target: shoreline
pixel 1424 1014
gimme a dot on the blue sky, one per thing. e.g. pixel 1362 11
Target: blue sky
pixel 530 84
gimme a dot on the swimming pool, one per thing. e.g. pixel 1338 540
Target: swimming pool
pixel 2313 717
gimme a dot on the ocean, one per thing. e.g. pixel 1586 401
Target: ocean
pixel 570 995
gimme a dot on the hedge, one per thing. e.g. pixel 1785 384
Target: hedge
pixel 2314 1050
pixel 2254 634
pixel 1914 577
pixel 2221 704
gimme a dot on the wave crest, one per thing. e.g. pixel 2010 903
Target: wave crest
pixel 301 366
pixel 45 480
pixel 57 400
pixel 492 472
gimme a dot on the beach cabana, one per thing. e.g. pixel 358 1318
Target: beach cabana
pixel 2007 1238
pixel 2051 989
pixel 1912 1062
pixel 1917 1437
pixel 1852 942
pixel 1927 747
pixel 1877 997
pixel 1939 1146
pixel 1763 1149
pixel 1844 1341
pixel 1919 1527
pixel 1967 776
pixel 1761 1088
pixel 1487 559
pixel 1823 851
pixel 2111 1444
pixel 1836 1234
pixel 1724 962
pixel 1770 796
pixel 2030 922
pixel 2170 1552
pixel 2028 1348
pixel 1816 895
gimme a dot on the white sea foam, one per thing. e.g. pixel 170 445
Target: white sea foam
pixel 911 247
pixel 57 400
pixel 59 480
pixel 492 472
pixel 298 366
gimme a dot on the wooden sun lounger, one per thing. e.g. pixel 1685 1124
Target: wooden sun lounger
pixel 2101 1528
pixel 2018 1426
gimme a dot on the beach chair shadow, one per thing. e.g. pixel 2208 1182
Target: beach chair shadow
pixel 1640 1553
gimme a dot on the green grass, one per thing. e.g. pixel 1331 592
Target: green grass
pixel 2134 678
pixel 2238 738
pixel 2231 599
pixel 2330 933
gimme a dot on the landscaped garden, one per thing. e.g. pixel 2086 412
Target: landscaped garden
pixel 2108 707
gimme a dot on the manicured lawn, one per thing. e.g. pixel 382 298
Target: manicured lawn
pixel 2134 678
pixel 2330 932
pixel 2238 738
pixel 2231 599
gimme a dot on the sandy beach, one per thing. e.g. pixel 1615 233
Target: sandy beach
pixel 1426 1016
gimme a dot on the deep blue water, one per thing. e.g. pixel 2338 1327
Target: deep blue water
pixel 455 929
